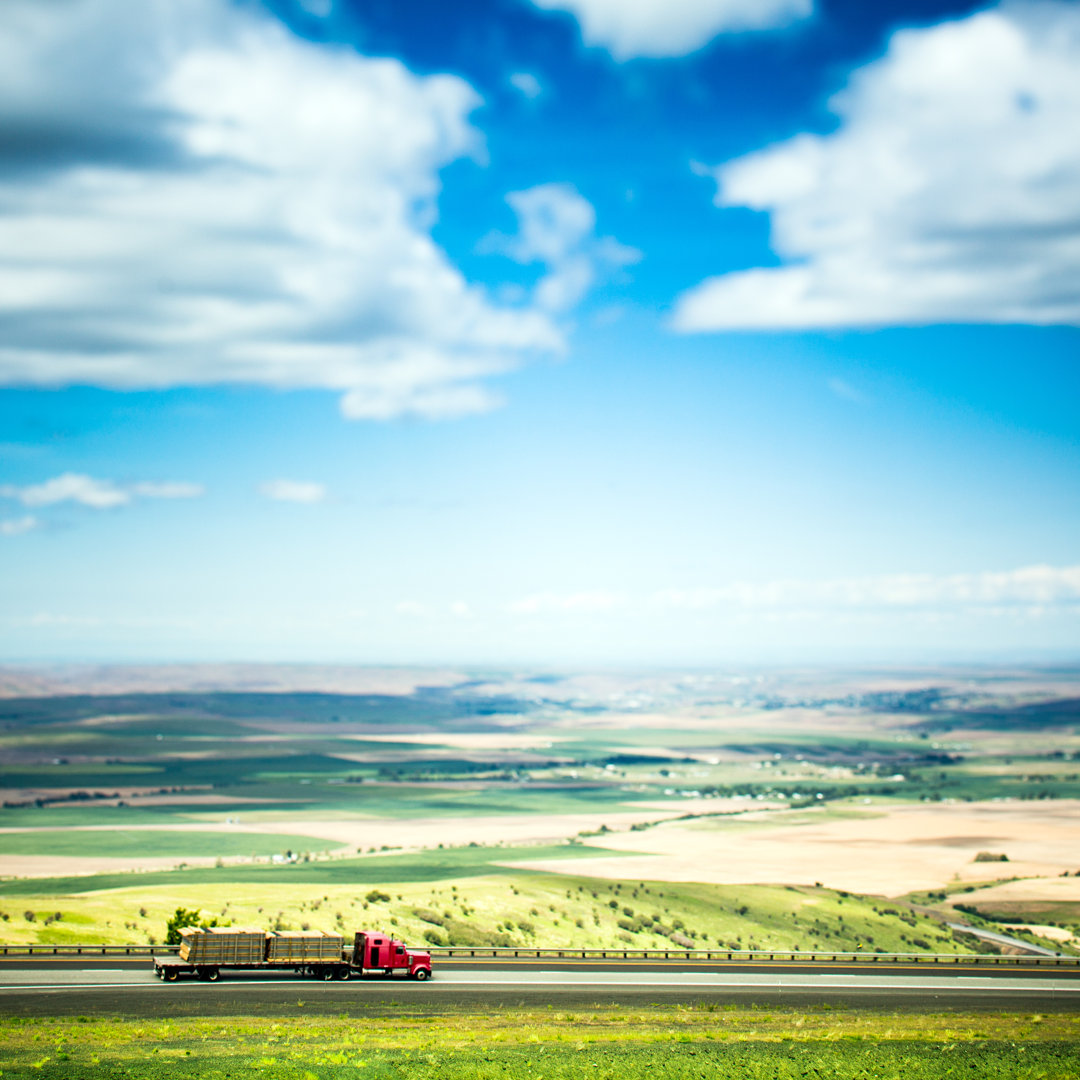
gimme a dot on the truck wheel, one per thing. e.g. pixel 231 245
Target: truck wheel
pixel 327 973
pixel 169 974
pixel 421 974
pixel 212 975
pixel 343 973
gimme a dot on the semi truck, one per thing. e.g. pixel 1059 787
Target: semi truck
pixel 205 953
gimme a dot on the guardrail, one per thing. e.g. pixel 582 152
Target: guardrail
pixel 458 952
pixel 755 956
pixel 87 950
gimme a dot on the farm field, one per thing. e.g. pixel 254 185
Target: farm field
pixel 728 1042
pixel 925 793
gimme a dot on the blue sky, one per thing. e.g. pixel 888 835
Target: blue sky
pixel 545 332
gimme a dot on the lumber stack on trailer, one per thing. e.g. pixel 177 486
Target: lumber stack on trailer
pixel 222 945
pixel 303 947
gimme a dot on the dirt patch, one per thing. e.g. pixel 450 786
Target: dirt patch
pixel 900 850
pixel 32 866
pixel 470 740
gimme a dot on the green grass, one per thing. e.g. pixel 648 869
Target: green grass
pixel 685 1044
pixel 464 897
pixel 151 843
pixel 433 865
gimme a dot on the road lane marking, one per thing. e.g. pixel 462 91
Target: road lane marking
pixel 968 985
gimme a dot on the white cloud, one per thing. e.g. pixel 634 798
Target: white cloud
pixel 193 196
pixel 69 487
pixel 556 227
pixel 527 83
pixel 659 28
pixel 297 491
pixel 96 494
pixel 580 602
pixel 1030 586
pixel 18 526
pixel 949 193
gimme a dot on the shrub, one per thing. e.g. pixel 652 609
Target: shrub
pixel 991 856
pixel 181 919
pixel 426 915
pixel 377 896
pixel 433 937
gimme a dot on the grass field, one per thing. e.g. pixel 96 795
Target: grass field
pixel 740 1044
pixel 465 897
pixel 150 843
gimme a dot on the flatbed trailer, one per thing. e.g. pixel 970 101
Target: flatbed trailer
pixel 204 954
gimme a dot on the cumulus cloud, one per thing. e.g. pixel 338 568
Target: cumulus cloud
pixel 192 196
pixel 950 192
pixel 94 493
pixel 662 28
pixel 18 526
pixel 1028 587
pixel 557 228
pixel 296 491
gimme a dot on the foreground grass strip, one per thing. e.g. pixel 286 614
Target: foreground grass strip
pixel 677 1043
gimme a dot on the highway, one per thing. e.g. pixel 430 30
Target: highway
pixel 57 987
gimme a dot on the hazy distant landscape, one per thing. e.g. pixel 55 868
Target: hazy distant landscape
pixel 780 809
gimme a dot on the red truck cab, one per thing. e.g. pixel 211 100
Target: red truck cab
pixel 380 952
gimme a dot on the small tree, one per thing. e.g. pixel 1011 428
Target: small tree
pixel 182 918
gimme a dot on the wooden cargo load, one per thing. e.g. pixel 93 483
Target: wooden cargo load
pixel 303 947
pixel 222 945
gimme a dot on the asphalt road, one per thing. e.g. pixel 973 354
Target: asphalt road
pixel 38 990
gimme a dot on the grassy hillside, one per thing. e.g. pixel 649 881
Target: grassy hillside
pixel 466 897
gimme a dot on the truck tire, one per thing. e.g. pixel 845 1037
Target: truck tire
pixel 327 973
pixel 421 974
pixel 343 973
pixel 212 975
pixel 169 974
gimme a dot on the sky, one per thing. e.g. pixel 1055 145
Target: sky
pixel 539 332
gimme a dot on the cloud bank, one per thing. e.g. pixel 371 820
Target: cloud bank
pixel 949 193
pixel 1029 589
pixel 664 28
pixel 93 493
pixel 189 195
